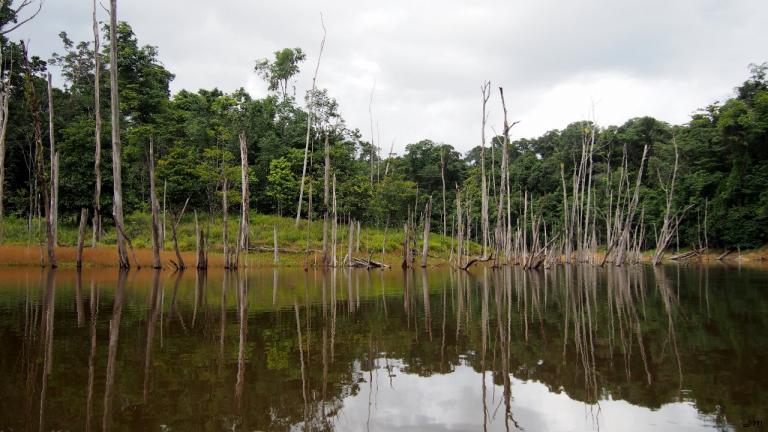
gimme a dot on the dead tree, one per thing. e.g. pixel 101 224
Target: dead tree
pixel 17 12
pixel 310 112
pixel 425 241
pixel 243 240
pixel 350 242
pixel 154 208
pixel 671 218
pixel 442 177
pixel 81 237
pixel 117 204
pixel 96 235
pixel 334 229
pixel 224 215
pixel 406 247
pixel 501 232
pixel 326 185
pixel 459 230
pixel 485 90
pixel 202 246
pixel 34 107
pixel 54 155
pixel 5 97
pixel 276 258
pixel 174 225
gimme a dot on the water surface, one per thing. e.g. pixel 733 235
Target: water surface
pixel 568 348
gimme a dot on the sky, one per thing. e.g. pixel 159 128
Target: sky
pixel 422 63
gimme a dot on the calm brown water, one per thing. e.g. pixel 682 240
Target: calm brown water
pixel 566 349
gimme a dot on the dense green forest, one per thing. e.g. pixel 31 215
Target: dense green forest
pixel 723 150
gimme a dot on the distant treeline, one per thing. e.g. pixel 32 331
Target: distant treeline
pixel 722 177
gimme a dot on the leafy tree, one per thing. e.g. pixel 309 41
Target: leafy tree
pixel 277 73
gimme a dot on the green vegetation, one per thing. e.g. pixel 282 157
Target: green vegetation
pixel 723 154
pixel 290 237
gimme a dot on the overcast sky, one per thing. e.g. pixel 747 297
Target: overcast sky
pixel 555 59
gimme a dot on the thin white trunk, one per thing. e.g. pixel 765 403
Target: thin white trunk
pixel 96 226
pixel 54 165
pixel 244 188
pixel 154 208
pixel 117 177
pixel 310 112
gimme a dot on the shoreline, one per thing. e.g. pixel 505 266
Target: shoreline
pixel 105 256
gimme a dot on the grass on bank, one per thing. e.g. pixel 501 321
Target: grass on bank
pixel 292 239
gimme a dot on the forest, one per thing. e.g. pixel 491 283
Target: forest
pixel 641 185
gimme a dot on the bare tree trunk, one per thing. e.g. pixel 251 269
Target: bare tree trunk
pixel 310 111
pixel 244 206
pixel 350 242
pixel 54 166
pixel 96 234
pixel 566 231
pixel 276 258
pixel 34 107
pixel 459 230
pixel 163 228
pixel 117 204
pixel 485 89
pixel 154 208
pixel 425 241
pixel 326 192
pixel 180 265
pixel 334 229
pixel 630 215
pixel 442 177
pixel 224 217
pixel 671 220
pixel 81 237
pixel 5 97
pixel 406 243
pixel 501 235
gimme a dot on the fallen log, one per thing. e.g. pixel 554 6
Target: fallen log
pixel 687 255
pixel 724 254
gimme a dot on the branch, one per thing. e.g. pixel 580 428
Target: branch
pixel 16 12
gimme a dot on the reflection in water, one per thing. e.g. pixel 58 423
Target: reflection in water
pixel 114 335
pixel 572 347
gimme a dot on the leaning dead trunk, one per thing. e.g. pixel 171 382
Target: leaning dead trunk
pixel 310 112
pixel 174 224
pixel 154 208
pixel 117 204
pixel 671 220
pixel 34 107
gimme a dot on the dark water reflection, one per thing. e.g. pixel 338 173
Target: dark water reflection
pixel 579 348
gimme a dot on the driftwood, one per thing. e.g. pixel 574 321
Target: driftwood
pixel 366 263
pixel 476 260
pixel 687 255
pixel 725 254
